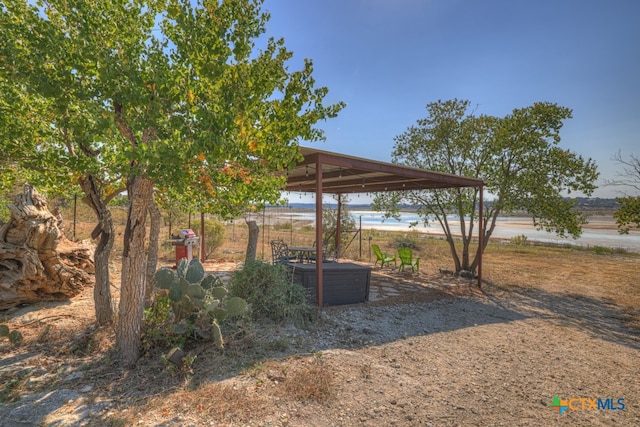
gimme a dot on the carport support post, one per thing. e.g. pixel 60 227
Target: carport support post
pixel 319 290
pixel 338 240
pixel 480 236
pixel 203 256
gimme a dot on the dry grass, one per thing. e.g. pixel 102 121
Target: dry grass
pixel 310 379
pixel 580 272
pixel 212 402
pixel 61 340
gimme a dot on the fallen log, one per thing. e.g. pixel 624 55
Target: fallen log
pixel 37 262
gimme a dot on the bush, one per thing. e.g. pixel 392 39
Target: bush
pixel 213 235
pixel 600 250
pixel 271 293
pixel 408 240
pixel 282 226
pixel 520 240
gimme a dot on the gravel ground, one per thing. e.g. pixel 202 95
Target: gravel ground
pixel 439 354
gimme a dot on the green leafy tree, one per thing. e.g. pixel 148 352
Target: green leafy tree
pixel 517 157
pixel 628 214
pixel 174 97
pixel 214 234
pixel 330 223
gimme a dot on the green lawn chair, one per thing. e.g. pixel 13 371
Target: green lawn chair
pixel 406 258
pixel 382 257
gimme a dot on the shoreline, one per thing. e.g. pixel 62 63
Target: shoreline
pixel 600 231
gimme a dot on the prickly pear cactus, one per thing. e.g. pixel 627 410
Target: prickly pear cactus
pixel 15 337
pixel 198 300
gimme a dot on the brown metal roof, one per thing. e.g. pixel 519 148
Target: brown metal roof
pixel 325 172
pixel 343 174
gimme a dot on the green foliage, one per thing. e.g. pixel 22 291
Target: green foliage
pixel 121 201
pixel 601 250
pixel 330 223
pixel 271 293
pixel 520 240
pixel 207 117
pixel 191 98
pixel 214 234
pixel 282 226
pixel 408 240
pixel 12 385
pixel 190 304
pixel 15 337
pixel 158 326
pixel 518 158
pixel 628 215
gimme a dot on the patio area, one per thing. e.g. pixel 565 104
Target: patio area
pixel 388 286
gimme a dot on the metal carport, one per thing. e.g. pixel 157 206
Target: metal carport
pixel 323 172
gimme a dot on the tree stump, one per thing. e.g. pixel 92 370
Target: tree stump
pixel 252 243
pixel 37 262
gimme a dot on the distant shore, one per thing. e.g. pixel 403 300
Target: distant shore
pixel 601 230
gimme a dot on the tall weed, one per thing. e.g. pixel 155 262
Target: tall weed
pixel 272 294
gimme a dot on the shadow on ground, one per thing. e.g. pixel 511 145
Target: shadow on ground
pixel 401 305
pixel 602 319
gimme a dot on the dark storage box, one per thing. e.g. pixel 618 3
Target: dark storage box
pixel 343 282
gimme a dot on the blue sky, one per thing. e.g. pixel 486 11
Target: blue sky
pixel 387 59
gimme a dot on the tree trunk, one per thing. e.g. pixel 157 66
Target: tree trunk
pixel 37 263
pixel 132 288
pixel 104 230
pixel 152 255
pixel 252 245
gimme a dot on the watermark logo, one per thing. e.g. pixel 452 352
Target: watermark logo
pixel 559 405
pixel 587 404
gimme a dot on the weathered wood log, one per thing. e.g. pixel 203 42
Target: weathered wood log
pixel 37 262
pixel 252 242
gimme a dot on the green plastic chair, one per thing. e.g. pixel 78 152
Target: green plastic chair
pixel 407 259
pixel 382 257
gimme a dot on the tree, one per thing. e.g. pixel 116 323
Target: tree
pixel 330 223
pixel 628 214
pixel 517 157
pixel 171 96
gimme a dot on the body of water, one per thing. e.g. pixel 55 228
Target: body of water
pixel 506 228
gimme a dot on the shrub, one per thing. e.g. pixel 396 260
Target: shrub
pixel 271 293
pixel 282 226
pixel 408 240
pixel 600 250
pixel 520 240
pixel 213 235
pixel 15 337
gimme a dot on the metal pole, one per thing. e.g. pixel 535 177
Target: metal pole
pixel 339 226
pixel 319 284
pixel 360 237
pixel 480 237
pixel 263 239
pixel 202 254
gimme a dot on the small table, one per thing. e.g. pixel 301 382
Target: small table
pixel 303 252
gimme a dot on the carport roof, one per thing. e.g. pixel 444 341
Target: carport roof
pixel 349 174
